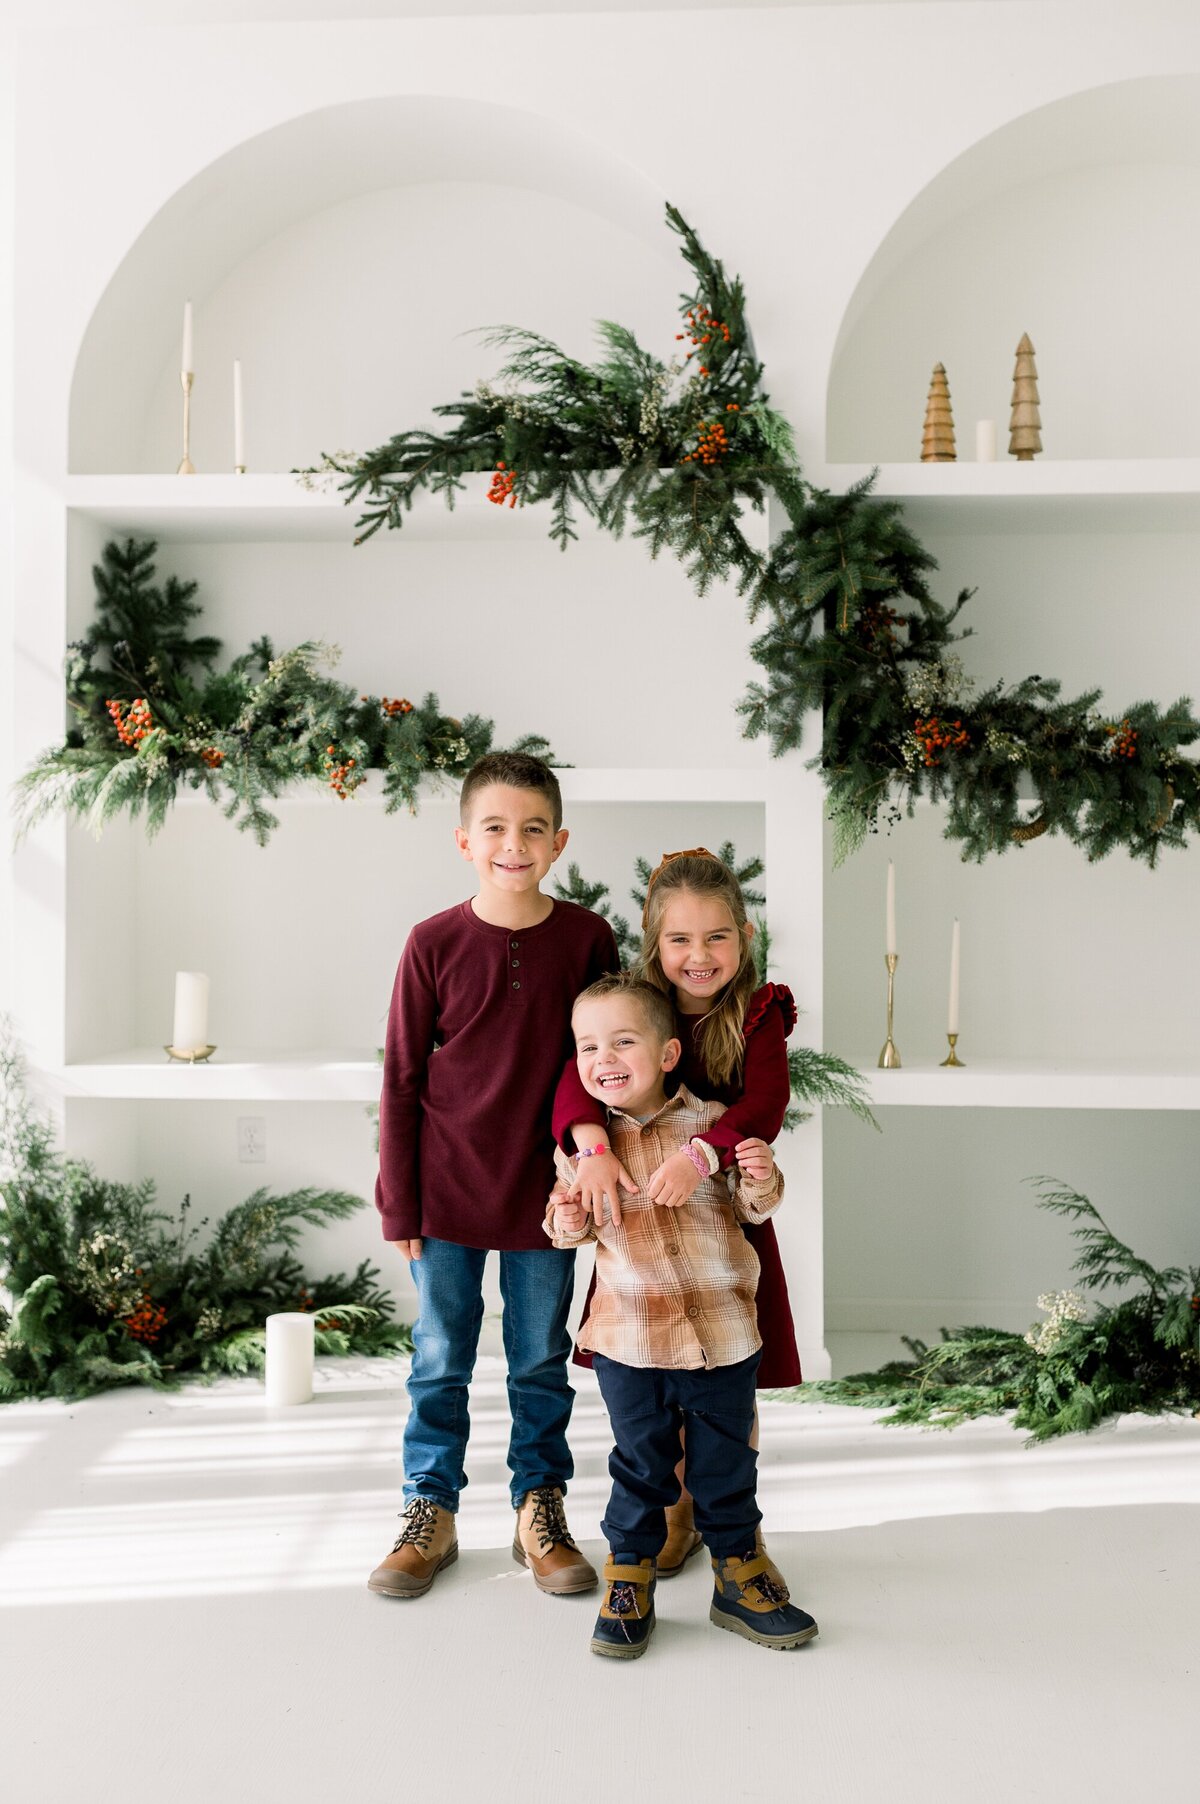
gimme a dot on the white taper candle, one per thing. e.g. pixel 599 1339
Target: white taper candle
pixel 891 908
pixel 985 441
pixel 239 426
pixel 955 949
pixel 190 1032
pixel 290 1347
pixel 186 360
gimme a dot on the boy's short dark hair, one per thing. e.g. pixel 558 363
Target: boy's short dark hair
pixel 656 1008
pixel 516 770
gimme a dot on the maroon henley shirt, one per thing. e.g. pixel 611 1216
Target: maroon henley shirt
pixel 478 1031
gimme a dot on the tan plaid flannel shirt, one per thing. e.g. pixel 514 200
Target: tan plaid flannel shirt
pixel 674 1287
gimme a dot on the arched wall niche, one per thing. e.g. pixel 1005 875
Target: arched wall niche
pixel 343 256
pixel 1078 223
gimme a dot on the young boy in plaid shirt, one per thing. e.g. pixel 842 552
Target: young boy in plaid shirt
pixel 672 1328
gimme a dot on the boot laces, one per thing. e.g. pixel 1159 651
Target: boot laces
pixel 770 1589
pixel 549 1522
pixel 420 1520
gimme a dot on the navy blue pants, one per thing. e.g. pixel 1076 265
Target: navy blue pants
pixel 647 1408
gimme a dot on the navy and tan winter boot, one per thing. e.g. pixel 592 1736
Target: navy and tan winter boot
pixel 750 1601
pixel 626 1620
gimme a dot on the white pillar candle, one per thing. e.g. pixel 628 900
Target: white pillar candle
pixel 190 1033
pixel 239 433
pixel 985 441
pixel 186 360
pixel 290 1345
pixel 952 1021
pixel 891 908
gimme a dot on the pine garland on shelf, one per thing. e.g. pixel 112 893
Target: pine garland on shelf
pixel 679 451
pixel 153 715
pixel 1065 1374
pixel 818 1078
pixel 104 1288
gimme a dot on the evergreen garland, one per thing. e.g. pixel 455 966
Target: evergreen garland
pixel 153 715
pixel 105 1288
pixel 1069 1372
pixel 678 451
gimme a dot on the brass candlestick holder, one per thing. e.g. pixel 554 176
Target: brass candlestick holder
pixel 187 467
pixel 199 1055
pixel 953 1060
pixel 889 1058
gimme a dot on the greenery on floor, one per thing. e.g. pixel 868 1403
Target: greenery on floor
pixel 1067 1373
pixel 152 714
pixel 104 1288
pixel 680 451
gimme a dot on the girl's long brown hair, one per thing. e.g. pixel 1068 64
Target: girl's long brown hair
pixel 719 1033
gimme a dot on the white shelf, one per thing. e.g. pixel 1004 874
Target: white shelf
pixel 1070 495
pixel 145 1073
pixel 749 783
pixel 993 1084
pixel 272 508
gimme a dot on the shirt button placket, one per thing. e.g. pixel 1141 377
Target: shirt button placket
pixel 514 946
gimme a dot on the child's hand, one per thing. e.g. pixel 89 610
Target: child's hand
pixel 411 1249
pixel 569 1218
pixel 755 1159
pixel 674 1181
pixel 599 1176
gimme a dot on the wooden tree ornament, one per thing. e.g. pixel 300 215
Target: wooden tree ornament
pixel 1024 428
pixel 937 442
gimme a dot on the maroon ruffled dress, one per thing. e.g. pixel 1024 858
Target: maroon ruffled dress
pixel 755 1110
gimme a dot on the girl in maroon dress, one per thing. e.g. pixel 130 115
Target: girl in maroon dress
pixel 696 947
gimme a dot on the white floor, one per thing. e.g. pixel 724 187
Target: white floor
pixel 184 1616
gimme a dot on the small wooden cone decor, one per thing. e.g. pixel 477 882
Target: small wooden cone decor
pixel 1025 425
pixel 937 441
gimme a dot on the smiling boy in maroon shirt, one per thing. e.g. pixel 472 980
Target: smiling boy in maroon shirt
pixel 479 1028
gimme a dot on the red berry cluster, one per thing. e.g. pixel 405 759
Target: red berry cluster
pixel 704 326
pixel 337 774
pixel 305 1300
pixel 875 621
pixel 940 735
pixel 1124 740
pixel 393 706
pixel 146 1322
pixel 212 757
pixel 132 727
pixel 712 444
pixel 504 486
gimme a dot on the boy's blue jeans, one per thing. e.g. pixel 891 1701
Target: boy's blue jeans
pixel 537 1288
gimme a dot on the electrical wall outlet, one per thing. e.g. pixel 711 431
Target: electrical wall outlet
pixel 252 1139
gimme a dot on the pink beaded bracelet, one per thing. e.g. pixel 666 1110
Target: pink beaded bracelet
pixel 589 1152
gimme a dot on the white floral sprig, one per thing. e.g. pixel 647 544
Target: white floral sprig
pixel 1065 1306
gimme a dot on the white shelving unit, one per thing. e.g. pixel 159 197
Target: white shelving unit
pixel 1070 495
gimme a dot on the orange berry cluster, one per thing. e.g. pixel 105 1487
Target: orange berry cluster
pixel 704 327
pixel 338 774
pixel 212 757
pixel 393 706
pixel 940 735
pixel 132 727
pixel 305 1299
pixel 1124 740
pixel 504 486
pixel 146 1322
pixel 712 444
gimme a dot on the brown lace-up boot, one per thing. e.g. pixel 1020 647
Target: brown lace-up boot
pixel 542 1541
pixel 683 1538
pixel 426 1543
